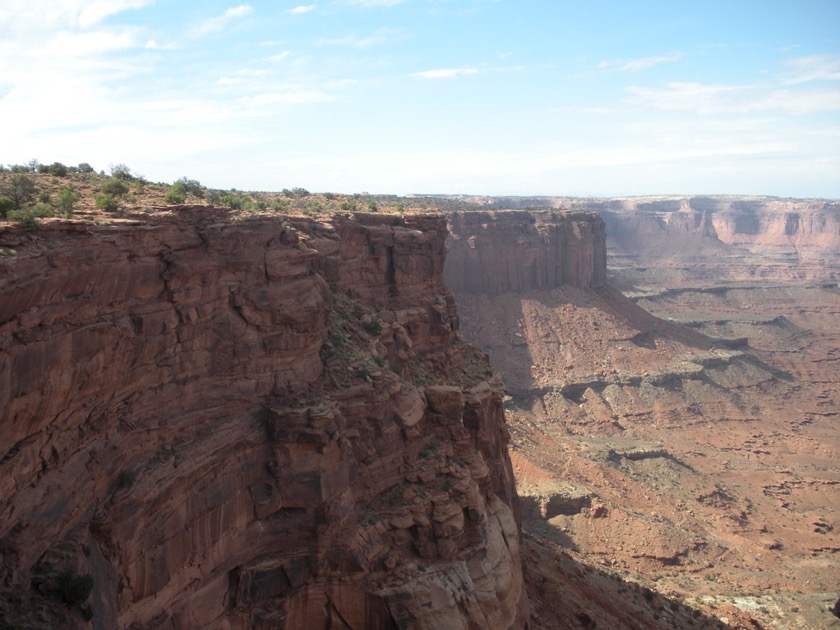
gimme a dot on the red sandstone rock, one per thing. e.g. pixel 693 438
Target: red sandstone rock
pixel 204 411
pixel 515 251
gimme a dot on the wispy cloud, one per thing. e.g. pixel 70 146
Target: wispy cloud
pixel 445 73
pixel 31 16
pixel 635 65
pixel 373 3
pixel 711 99
pixel 812 68
pixel 279 56
pixel 303 8
pixel 217 23
pixel 382 36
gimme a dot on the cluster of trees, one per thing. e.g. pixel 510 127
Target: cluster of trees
pixel 56 168
pixel 20 200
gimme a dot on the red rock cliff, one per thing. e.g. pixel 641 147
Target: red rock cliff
pixel 513 251
pixel 248 424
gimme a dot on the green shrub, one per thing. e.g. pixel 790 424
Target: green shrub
pixel 121 171
pixel 66 198
pixel 190 186
pixel 84 167
pixel 114 187
pixel 28 217
pixel 176 195
pixel 74 589
pixel 108 203
pixel 56 168
pixel 6 205
pixel 125 479
pixel 372 327
pixel 233 200
pixel 19 188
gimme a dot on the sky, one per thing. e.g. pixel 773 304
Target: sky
pixel 484 97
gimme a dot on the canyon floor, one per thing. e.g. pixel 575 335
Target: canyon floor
pixel 694 453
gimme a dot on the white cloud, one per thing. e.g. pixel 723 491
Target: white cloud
pixel 711 99
pixel 445 73
pixel 31 17
pixel 279 56
pixel 373 3
pixel 214 24
pixel 382 36
pixel 304 8
pixel 812 68
pixel 635 65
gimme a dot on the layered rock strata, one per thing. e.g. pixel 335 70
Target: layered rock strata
pixel 248 424
pixel 515 251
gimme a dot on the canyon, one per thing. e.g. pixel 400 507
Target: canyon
pixel 563 413
pixel 690 445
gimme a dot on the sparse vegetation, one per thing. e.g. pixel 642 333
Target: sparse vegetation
pixel 82 191
pixel 66 200
pixel 121 171
pixel 114 187
pixel 108 203
pixel 19 188
pixel 73 589
pixel 125 479
pixel 372 327
pixel 56 168
pixel 28 217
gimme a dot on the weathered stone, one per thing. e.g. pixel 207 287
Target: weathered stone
pixel 168 394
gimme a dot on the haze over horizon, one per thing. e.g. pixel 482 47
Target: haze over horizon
pixel 486 97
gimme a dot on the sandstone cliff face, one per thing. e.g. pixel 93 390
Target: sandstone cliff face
pixel 514 251
pixel 250 424
pixel 724 238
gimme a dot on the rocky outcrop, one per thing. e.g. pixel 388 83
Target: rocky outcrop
pixel 515 251
pixel 723 238
pixel 260 423
pixel 675 240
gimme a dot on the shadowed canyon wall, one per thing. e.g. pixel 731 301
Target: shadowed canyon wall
pixel 248 424
pixel 499 252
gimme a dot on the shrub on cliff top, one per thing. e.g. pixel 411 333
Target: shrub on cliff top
pixel 190 186
pixel 19 188
pixel 28 217
pixel 6 205
pixel 176 195
pixel 114 187
pixel 66 198
pixel 107 203
pixel 121 171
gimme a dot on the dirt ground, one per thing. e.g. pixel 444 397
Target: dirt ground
pixel 695 455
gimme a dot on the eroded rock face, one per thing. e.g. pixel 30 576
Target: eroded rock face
pixel 250 424
pixel 515 251
pixel 715 239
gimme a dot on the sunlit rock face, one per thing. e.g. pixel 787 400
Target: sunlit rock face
pixel 259 423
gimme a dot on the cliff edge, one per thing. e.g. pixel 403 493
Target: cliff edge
pixel 259 423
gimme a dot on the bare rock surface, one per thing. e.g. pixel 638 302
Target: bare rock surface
pixel 251 423
pixel 690 445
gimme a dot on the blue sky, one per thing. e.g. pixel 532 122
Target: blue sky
pixel 519 97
